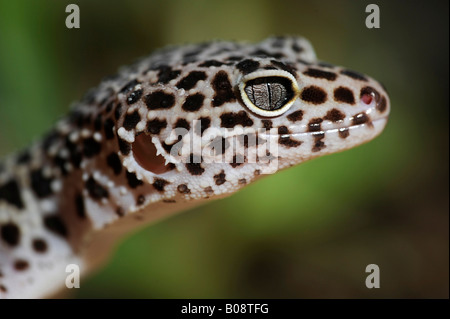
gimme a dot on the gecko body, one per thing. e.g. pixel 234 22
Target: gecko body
pixel 185 125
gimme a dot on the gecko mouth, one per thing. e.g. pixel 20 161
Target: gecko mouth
pixel 147 156
pixel 362 122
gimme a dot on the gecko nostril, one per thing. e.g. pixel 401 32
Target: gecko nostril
pixel 368 94
pixel 144 152
pixel 367 98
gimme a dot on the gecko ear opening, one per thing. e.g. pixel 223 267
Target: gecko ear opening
pixel 144 152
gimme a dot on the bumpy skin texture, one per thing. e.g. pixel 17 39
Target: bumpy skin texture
pixel 94 176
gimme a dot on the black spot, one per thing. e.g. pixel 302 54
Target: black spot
pixel 131 120
pixel 381 107
pixel 118 111
pixel 134 96
pixel 168 147
pixel 10 192
pixel 79 119
pixel 159 100
pixel 98 122
pixel 193 102
pixel 124 147
pixel 91 147
pixel 40 184
pixel 159 184
pixel 108 127
pixel 235 58
pixel 247 66
pixel 109 107
pixel 314 125
pixel 182 123
pixel 21 265
pixel 140 200
pixel 24 157
pixel 267 124
pixel 208 190
pixel 313 94
pixel 237 160
pixel 39 245
pixel 296 48
pixel 230 120
pixel 354 75
pixel 50 139
pixel 10 234
pixel 166 74
pixel 360 118
pixel 242 181
pixel 96 190
pixel 61 162
pixel 55 224
pixel 250 139
pixel 222 88
pixel 129 86
pixel 155 126
pixel 344 132
pixel 283 66
pixel 74 154
pixel 285 139
pixel 209 63
pixel 169 201
pixel 334 115
pixel 318 143
pixel 283 130
pixel 194 166
pixel 220 178
pixel 120 211
pixel 133 181
pixel 205 123
pixel 183 189
pixel 295 116
pixel 342 94
pixel 189 81
pixel 79 206
pixel 220 145
pixel 3 288
pixel 316 73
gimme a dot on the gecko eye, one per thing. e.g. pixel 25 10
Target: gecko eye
pixel 269 92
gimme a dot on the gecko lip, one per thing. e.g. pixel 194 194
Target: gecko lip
pixel 373 124
pixel 370 125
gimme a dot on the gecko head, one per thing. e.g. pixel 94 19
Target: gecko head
pixel 316 108
pixel 218 115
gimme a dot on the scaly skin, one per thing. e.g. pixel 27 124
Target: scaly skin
pixel 112 164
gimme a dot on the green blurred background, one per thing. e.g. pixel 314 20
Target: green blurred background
pixel 306 232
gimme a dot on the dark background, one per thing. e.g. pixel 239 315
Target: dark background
pixel 306 232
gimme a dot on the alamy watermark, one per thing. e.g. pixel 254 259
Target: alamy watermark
pixel 73 19
pixel 73 278
pixel 373 280
pixel 373 19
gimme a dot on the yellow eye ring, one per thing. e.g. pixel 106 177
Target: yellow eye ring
pixel 269 93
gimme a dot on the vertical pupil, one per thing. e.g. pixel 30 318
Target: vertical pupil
pixel 269 93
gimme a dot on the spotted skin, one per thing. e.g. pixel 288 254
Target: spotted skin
pixel 111 164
